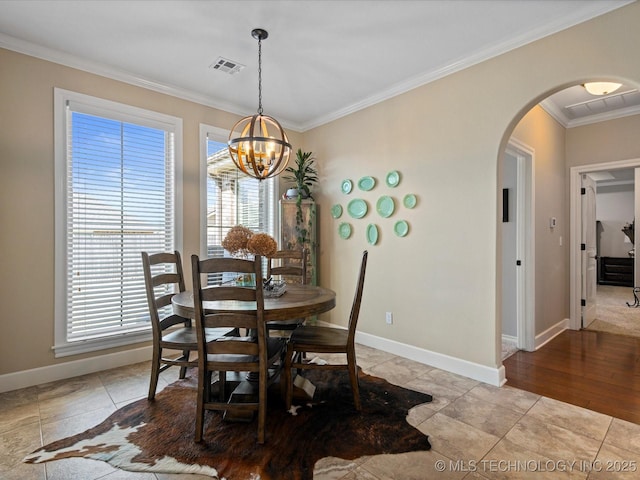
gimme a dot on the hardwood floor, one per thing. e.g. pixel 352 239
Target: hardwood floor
pixel 596 370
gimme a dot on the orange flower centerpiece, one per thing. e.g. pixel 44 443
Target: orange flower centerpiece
pixel 236 241
pixel 242 242
pixel 262 244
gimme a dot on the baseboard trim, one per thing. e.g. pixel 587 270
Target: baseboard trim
pixel 60 371
pixel 551 333
pixel 74 368
pixel 482 373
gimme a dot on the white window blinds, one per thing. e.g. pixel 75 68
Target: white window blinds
pixel 120 190
pixel 234 198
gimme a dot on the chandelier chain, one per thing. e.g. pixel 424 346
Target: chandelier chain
pixel 259 76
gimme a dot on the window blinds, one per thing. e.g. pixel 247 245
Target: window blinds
pixel 120 201
pixel 234 198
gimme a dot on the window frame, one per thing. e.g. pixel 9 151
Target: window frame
pixel 120 112
pixel 222 136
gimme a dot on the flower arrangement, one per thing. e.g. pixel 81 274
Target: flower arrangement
pixel 235 242
pixel 241 241
pixel 262 244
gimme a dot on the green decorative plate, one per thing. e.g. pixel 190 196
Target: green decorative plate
pixel 401 228
pixel 366 183
pixel 344 230
pixel 357 208
pixel 410 200
pixel 372 234
pixel 336 211
pixel 385 206
pixel 347 186
pixel 393 179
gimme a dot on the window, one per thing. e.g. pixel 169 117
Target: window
pixel 230 197
pixel 117 178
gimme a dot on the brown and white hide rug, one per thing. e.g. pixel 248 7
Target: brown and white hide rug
pixel 157 436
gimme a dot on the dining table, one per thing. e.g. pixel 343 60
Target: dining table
pixel 297 301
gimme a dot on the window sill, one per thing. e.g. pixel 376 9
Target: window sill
pixel 92 345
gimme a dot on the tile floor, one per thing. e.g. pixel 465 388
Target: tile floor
pixel 477 431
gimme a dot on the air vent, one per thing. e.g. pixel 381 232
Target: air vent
pixel 227 66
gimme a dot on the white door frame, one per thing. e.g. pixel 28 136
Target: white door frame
pixel 525 239
pixel 575 219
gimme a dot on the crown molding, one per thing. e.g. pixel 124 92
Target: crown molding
pixel 557 113
pixel 461 64
pixel 55 56
pixel 72 61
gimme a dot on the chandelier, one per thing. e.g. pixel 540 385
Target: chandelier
pixel 262 148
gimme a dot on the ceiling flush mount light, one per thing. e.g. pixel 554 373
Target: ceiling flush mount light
pixel 601 88
pixel 262 148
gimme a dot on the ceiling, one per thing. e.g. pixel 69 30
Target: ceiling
pixel 322 60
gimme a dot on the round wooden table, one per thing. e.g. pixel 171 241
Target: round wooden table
pixel 298 301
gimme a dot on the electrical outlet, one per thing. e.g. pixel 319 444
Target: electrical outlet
pixel 389 318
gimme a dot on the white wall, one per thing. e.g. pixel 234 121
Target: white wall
pixel 614 208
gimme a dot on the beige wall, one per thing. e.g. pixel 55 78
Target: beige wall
pixel 547 137
pixel 445 139
pixel 26 193
pixel 604 142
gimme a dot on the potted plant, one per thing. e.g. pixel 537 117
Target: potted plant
pixel 303 176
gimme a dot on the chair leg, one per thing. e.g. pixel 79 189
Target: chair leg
pixel 222 386
pixel 202 377
pixel 262 406
pixel 155 372
pixel 288 381
pixel 185 356
pixel 353 376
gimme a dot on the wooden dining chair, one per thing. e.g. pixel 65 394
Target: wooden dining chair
pixel 163 278
pixel 315 339
pixel 289 265
pixel 255 353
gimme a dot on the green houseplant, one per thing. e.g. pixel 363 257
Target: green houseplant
pixel 303 176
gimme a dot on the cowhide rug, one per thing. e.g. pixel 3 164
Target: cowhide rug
pixel 157 436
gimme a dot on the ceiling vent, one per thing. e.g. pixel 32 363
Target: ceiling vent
pixel 227 66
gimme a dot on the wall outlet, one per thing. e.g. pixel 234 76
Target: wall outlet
pixel 389 318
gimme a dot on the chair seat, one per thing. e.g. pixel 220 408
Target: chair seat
pixel 315 337
pixel 185 337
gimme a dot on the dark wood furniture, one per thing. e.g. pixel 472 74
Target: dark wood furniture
pixel 163 279
pixel 290 266
pixel 315 339
pixel 254 353
pixel 616 271
pixel 298 301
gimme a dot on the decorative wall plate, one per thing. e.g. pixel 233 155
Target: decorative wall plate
pixel 344 230
pixel 347 186
pixel 393 178
pixel 336 211
pixel 372 234
pixel 401 228
pixel 385 206
pixel 366 183
pixel 357 208
pixel 410 200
